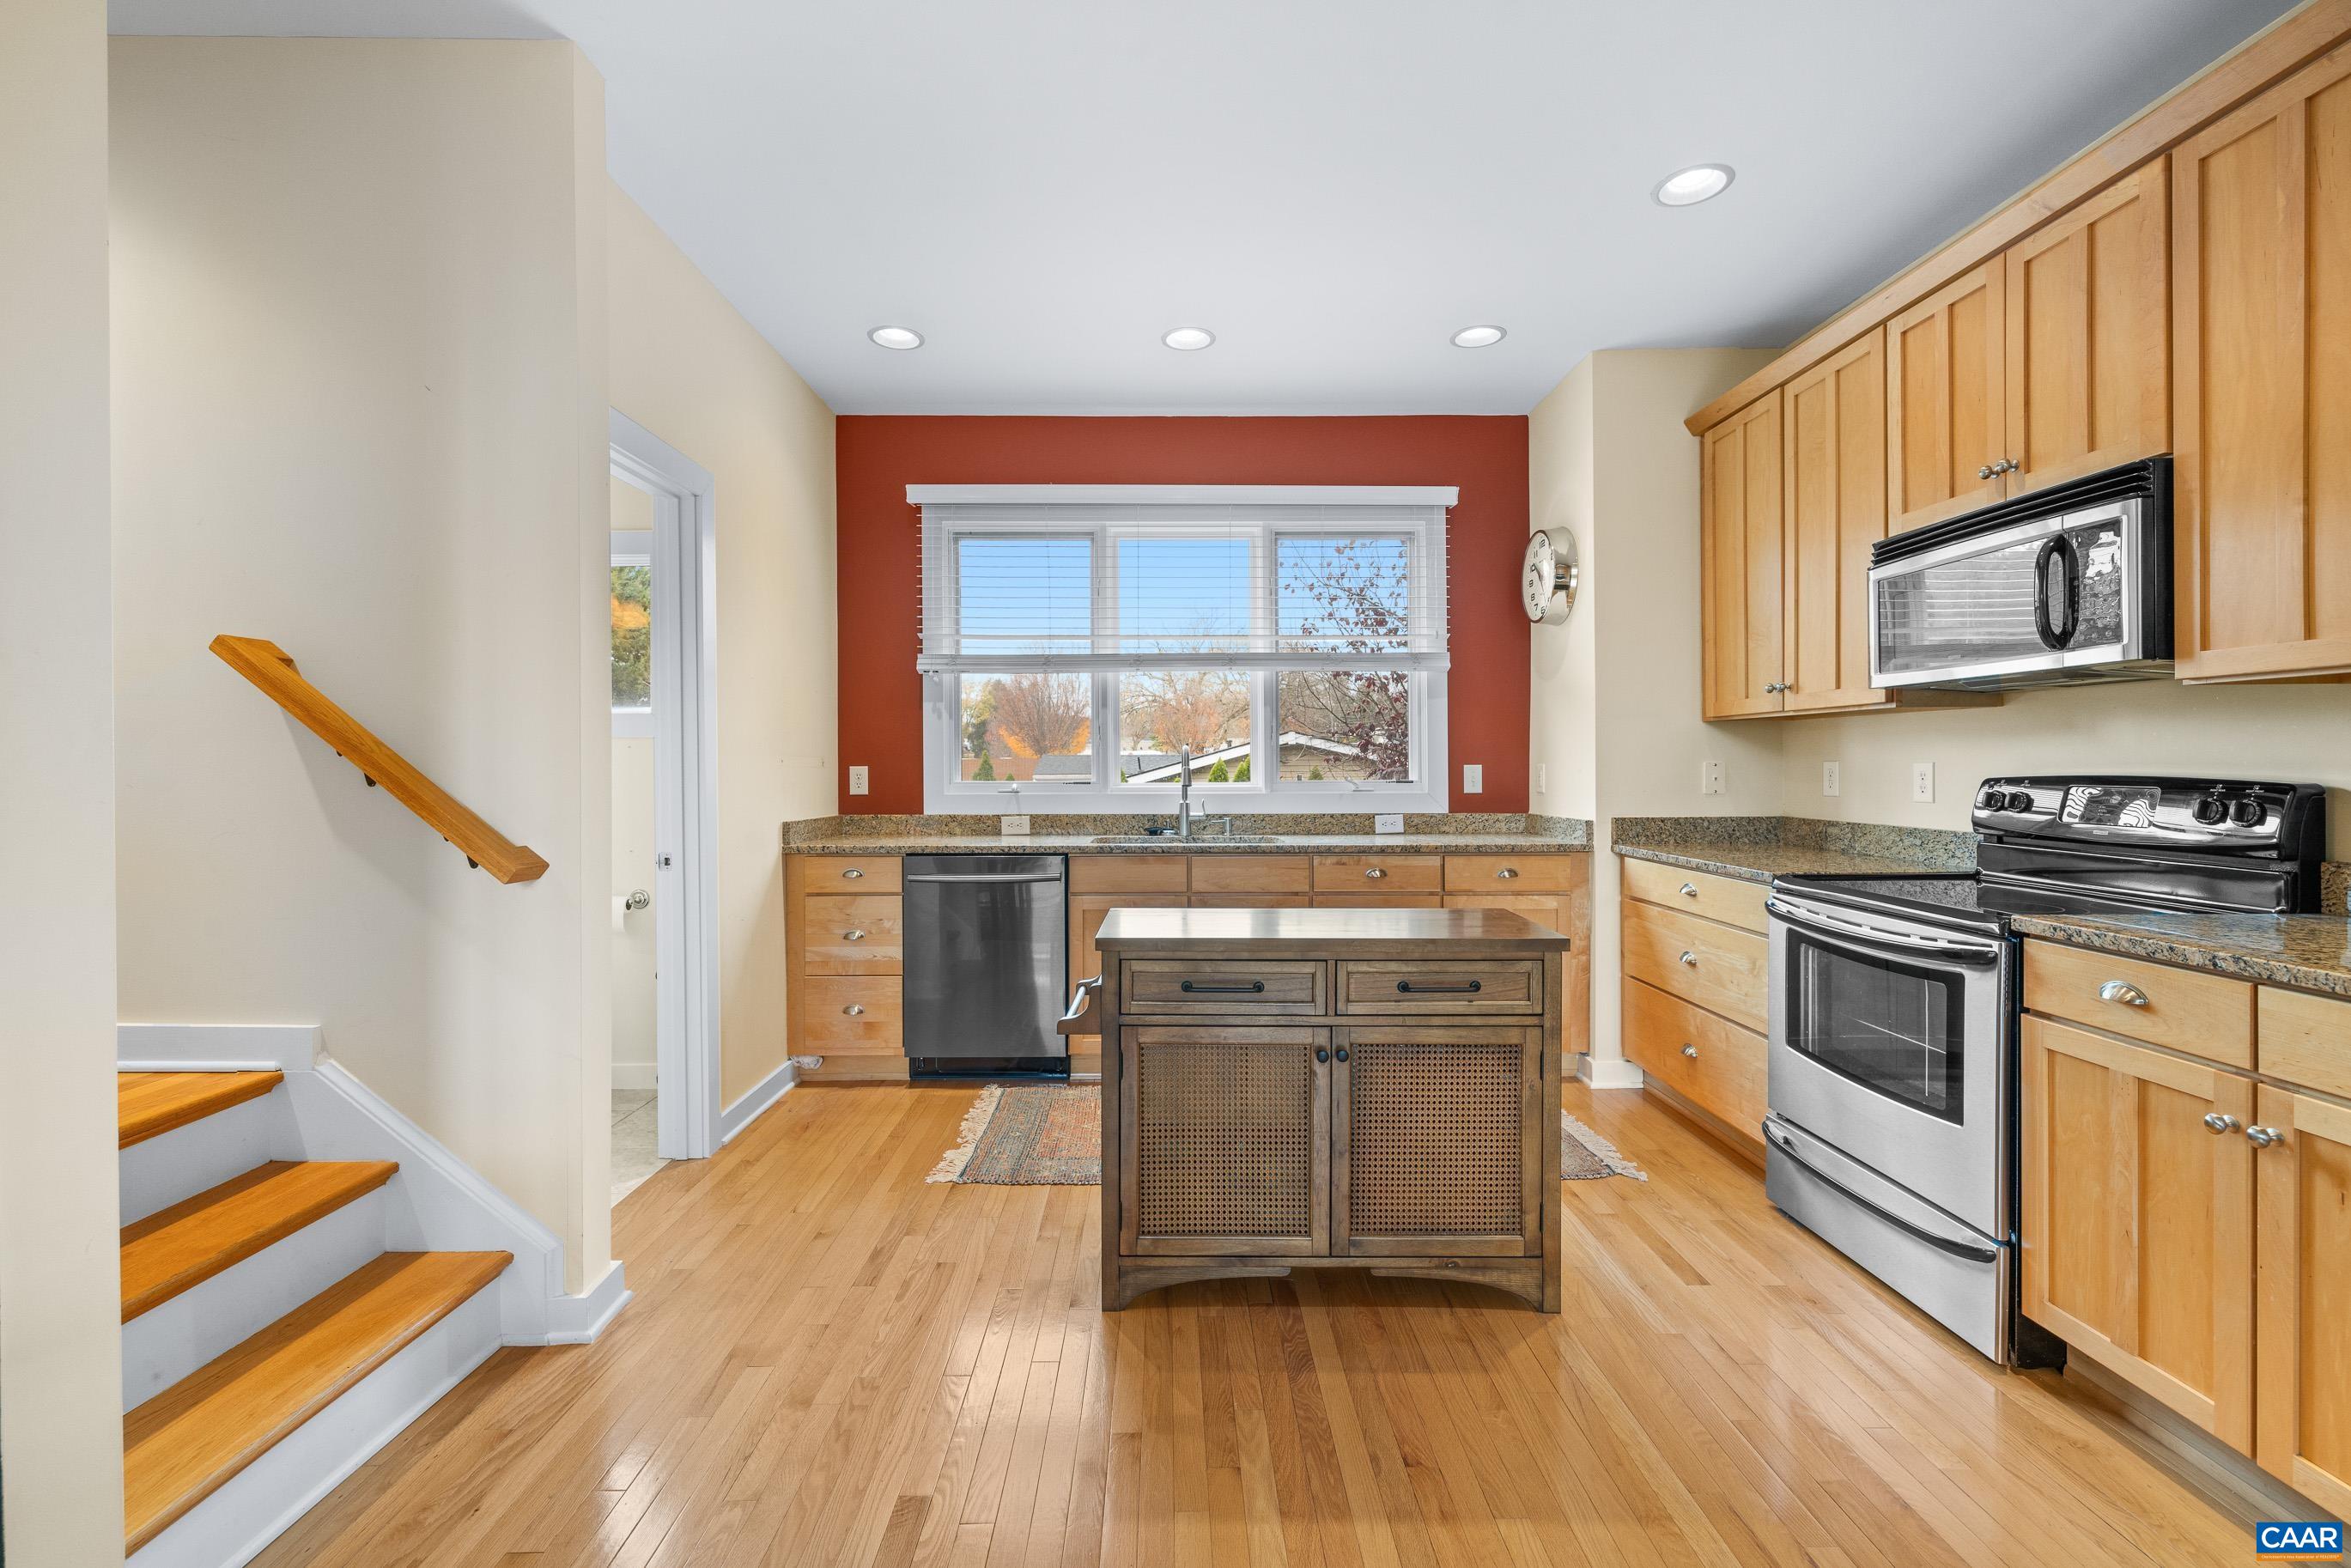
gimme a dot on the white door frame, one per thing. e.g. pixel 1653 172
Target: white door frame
pixel 686 784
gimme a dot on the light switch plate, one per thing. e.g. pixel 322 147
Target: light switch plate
pixel 857 780
pixel 1473 778
pixel 1013 827
pixel 1709 778
pixel 1828 778
pixel 1922 781
pixel 1388 823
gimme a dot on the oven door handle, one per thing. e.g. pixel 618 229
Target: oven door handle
pixel 1974 953
pixel 1950 1244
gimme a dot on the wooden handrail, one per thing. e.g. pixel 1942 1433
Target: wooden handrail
pixel 271 668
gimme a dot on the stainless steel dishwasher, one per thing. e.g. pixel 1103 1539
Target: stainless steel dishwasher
pixel 988 965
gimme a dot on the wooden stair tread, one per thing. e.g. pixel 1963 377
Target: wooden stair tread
pixel 147 1104
pixel 179 1248
pixel 188 1441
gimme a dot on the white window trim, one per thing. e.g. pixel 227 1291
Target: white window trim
pixel 945 793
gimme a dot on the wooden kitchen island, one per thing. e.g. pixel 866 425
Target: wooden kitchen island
pixel 1369 1089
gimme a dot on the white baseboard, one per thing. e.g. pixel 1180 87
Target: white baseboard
pixel 634 1075
pixel 1609 1073
pixel 578 1320
pixel 746 1110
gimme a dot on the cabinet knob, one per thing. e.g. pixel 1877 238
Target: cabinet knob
pixel 853 874
pixel 1691 959
pixel 1374 872
pixel 1343 1053
pixel 855 1010
pixel 2221 1124
pixel 1688 1049
pixel 1984 472
pixel 852 934
pixel 2261 1138
pixel 1507 872
pixel 1321 1053
pixel 1689 890
pixel 2122 991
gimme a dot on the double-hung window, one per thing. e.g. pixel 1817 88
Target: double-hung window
pixel 1076 640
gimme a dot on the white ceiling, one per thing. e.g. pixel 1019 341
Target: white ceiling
pixel 1332 186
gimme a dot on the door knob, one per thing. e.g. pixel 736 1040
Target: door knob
pixel 2221 1124
pixel 2263 1137
pixel 1688 1049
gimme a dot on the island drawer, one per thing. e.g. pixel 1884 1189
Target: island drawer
pixel 2204 1015
pixel 1723 898
pixel 1184 986
pixel 1440 985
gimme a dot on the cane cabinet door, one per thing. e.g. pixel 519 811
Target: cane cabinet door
pixel 1434 1143
pixel 1225 1140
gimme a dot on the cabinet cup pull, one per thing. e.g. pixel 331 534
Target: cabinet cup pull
pixel 2263 1137
pixel 2221 1124
pixel 2122 991
pixel 1688 1049
pixel 852 934
pixel 1691 958
pixel 1321 1053
pixel 1425 987
pixel 1689 890
pixel 1507 872
pixel 1198 986
pixel 855 1010
pixel 1374 872
pixel 853 874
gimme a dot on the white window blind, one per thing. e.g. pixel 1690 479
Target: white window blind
pixel 1019 579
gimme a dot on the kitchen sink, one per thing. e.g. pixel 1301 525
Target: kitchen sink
pixel 1194 839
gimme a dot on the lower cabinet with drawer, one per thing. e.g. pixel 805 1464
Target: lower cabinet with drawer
pixel 844 963
pixel 1392 1110
pixel 1695 994
pixel 2187 1198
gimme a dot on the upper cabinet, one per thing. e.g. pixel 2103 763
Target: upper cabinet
pixel 2262 253
pixel 1740 541
pixel 1944 425
pixel 2088 363
pixel 1834 454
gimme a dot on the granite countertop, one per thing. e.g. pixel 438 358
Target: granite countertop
pixel 2308 952
pixel 1748 862
pixel 1207 844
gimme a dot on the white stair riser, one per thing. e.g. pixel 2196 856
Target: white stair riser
pixel 227 1529
pixel 161 1346
pixel 207 1152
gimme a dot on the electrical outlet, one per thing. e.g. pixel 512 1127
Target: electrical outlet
pixel 1922 781
pixel 1473 778
pixel 1388 823
pixel 1542 778
pixel 1829 779
pixel 857 780
pixel 1709 778
pixel 1013 827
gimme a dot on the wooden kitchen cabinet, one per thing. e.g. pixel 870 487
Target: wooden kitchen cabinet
pixel 2262 395
pixel 844 957
pixel 2088 364
pixel 1944 384
pixel 2302 1345
pixel 1835 465
pixel 1740 545
pixel 2138 1220
pixel 1435 1141
pixel 1224 1141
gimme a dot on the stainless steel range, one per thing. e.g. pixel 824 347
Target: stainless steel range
pixel 1893 1064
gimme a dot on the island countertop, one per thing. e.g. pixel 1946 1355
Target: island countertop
pixel 1475 933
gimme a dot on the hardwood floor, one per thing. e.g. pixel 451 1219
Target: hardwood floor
pixel 828 1362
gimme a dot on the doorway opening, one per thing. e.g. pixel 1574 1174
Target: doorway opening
pixel 665 807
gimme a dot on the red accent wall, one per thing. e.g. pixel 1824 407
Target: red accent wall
pixel 880 546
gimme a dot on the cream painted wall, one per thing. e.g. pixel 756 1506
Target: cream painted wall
pixel 688 368
pixel 60 1335
pixel 360 410
pixel 2298 734
pixel 632 946
pixel 1615 691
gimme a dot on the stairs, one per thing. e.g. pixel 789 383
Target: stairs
pixel 236 1437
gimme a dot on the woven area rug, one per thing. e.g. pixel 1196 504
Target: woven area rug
pixel 1049 1135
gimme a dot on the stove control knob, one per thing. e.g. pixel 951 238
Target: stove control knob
pixel 2246 813
pixel 1991 797
pixel 2211 811
pixel 2020 800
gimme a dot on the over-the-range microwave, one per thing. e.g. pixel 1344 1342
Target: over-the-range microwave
pixel 2069 584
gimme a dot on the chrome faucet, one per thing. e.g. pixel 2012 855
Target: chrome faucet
pixel 1184 791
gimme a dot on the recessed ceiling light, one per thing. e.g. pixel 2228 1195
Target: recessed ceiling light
pixel 1478 337
pixel 1693 185
pixel 1185 339
pixel 896 337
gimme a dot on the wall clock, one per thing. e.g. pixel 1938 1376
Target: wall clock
pixel 1547 583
